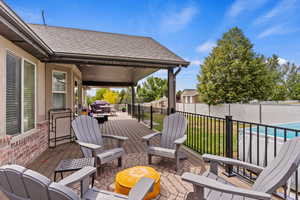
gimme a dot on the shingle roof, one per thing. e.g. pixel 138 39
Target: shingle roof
pixel 85 42
pixel 189 92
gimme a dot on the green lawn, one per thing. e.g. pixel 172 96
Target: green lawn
pixel 205 135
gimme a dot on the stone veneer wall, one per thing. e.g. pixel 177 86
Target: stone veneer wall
pixel 26 149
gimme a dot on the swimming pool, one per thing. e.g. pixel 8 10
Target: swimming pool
pixel 292 130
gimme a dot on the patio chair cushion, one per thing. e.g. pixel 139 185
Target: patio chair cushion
pixel 213 195
pixel 110 155
pixel 160 151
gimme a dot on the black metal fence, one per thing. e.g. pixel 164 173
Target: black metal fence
pixel 149 115
pixel 247 141
pixel 250 142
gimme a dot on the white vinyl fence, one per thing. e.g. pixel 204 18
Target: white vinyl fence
pixel 259 113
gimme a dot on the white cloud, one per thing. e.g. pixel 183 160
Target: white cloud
pixel 283 8
pixel 240 6
pixel 276 30
pixel 282 61
pixel 205 47
pixel 196 62
pixel 176 20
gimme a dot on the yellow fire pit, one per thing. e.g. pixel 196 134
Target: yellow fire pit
pixel 126 179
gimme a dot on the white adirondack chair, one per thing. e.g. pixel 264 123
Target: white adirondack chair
pixel 276 174
pixel 90 140
pixel 19 183
pixel 171 139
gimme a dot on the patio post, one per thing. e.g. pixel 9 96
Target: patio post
pixel 151 117
pixel 132 101
pixel 171 91
pixel 139 112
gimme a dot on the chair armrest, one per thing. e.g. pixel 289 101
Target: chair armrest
pixel 150 136
pixel 78 176
pixel 141 189
pixel 115 137
pixel 180 140
pixel 90 146
pixel 254 168
pixel 204 182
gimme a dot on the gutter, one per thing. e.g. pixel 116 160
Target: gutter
pixel 62 55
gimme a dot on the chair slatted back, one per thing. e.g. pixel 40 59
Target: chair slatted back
pixel 14 177
pixel 86 129
pixel 36 185
pixel 174 128
pixel 280 169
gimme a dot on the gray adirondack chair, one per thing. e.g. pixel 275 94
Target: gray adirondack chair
pixel 276 174
pixel 19 183
pixel 171 139
pixel 90 140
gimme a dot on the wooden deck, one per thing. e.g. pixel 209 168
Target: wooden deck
pixel 171 185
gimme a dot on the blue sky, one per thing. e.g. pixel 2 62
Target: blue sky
pixel 188 28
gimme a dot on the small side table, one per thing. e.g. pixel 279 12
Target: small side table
pixel 73 165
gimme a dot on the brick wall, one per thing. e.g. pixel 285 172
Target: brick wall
pixel 26 149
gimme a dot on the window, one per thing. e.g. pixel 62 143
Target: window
pixel 59 89
pixel 13 94
pixel 20 95
pixel 29 96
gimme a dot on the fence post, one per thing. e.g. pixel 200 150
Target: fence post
pixel 260 118
pixel 139 112
pixel 151 117
pixel 229 144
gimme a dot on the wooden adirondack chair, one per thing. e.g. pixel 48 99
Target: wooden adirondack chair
pixel 90 140
pixel 276 174
pixel 171 139
pixel 19 183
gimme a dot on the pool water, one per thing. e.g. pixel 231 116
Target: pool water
pixel 279 132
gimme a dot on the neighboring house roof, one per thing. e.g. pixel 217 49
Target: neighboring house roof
pixel 111 45
pixel 189 92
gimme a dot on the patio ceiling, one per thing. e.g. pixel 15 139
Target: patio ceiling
pixel 117 76
pixel 105 59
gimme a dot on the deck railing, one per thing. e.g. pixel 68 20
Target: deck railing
pixel 247 141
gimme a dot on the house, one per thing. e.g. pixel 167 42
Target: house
pixel 190 96
pixel 45 67
pixel 160 103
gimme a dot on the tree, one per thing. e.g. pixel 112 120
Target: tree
pixel 100 93
pixel 178 95
pixel 233 72
pixel 110 96
pixel 152 89
pixel 277 75
pixel 292 81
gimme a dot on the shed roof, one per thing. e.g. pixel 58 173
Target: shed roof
pixel 111 45
pixel 189 92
